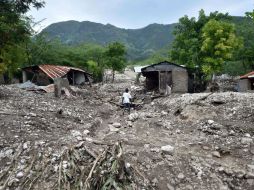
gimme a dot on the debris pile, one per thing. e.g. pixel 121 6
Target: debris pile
pixel 182 141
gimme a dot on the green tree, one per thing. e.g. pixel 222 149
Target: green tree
pixel 14 26
pixel 219 42
pixel 115 57
pixel 250 14
pixel 186 48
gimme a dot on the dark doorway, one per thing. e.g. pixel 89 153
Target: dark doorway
pixel 152 80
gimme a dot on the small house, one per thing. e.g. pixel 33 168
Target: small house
pixel 246 82
pixel 43 75
pixel 159 75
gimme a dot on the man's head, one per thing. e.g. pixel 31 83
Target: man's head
pixel 126 90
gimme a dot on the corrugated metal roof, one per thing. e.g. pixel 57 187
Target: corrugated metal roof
pixel 161 63
pixel 55 71
pixel 248 75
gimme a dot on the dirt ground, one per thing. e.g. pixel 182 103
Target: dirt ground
pixel 180 142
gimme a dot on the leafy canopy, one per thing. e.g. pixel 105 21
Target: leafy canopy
pixel 115 56
pixel 205 43
pixel 218 44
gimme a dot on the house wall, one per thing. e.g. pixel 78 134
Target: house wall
pixel 180 81
pixel 244 85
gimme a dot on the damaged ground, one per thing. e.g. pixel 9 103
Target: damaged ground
pixel 180 142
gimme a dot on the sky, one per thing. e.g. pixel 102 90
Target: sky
pixel 133 14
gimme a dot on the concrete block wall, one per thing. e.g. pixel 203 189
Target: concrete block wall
pixel 180 81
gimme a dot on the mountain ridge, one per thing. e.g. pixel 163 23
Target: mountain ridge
pixel 140 43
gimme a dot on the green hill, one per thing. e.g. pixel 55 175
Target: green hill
pixel 140 43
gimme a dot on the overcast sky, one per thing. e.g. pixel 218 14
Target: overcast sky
pixel 134 13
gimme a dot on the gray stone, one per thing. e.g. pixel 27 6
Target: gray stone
pixel 113 129
pixel 249 175
pixel 246 140
pixel 180 176
pixel 6 153
pixel 210 122
pixel 223 187
pixel 116 125
pixel 216 154
pixel 168 149
pixel 250 182
pixel 25 145
pixel 250 168
pixel 86 132
pixel 20 174
pixel 170 187
pixel 133 116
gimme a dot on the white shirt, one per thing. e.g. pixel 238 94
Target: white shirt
pixel 126 97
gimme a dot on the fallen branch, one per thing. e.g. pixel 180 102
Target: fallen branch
pixel 94 165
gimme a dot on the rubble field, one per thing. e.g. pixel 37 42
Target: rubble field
pixel 200 141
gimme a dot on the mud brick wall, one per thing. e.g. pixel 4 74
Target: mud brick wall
pixel 180 81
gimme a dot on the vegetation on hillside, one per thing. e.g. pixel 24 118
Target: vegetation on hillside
pixel 215 43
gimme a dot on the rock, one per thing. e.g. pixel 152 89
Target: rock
pixel 77 135
pixel 231 132
pixel 32 114
pixel 86 132
pixel 168 149
pixel 116 125
pixel 249 175
pixel 113 129
pixel 8 153
pixel 180 176
pixel 155 181
pixel 210 122
pixel 250 168
pixel 246 140
pixel 223 187
pixel 205 147
pixel 221 169
pixel 247 135
pixel 129 123
pixel 25 145
pixel 65 164
pixel 216 154
pixel 20 174
pixel 188 187
pixel 133 116
pixel 250 182
pixel 164 113
pixel 170 187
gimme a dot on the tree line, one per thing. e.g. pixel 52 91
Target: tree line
pixel 20 47
pixel 209 43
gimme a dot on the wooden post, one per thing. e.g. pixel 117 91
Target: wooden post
pixel 24 76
